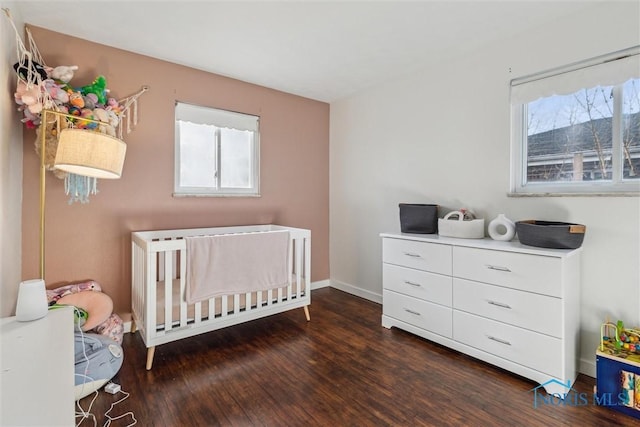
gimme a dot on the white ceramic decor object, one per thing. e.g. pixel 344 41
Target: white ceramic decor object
pixel 502 228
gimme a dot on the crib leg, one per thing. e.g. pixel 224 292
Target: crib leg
pixel 306 313
pixel 150 352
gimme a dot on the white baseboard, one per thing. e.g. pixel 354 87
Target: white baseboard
pixel 320 284
pixel 357 291
pixel 587 367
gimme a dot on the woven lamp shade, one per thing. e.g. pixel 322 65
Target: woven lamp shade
pixel 89 153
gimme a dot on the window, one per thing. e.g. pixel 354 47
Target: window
pixel 576 130
pixel 217 152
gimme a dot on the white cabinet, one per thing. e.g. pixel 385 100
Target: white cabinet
pixel 37 374
pixel 511 305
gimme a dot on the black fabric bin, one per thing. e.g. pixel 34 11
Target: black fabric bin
pixel 418 218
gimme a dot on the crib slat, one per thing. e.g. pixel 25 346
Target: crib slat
pixel 292 267
pixel 212 308
pixel 141 285
pixel 307 265
pixel 161 256
pixel 168 293
pixel 150 284
pixel 137 270
pixel 197 313
pixel 182 276
pixel 225 306
pixel 298 267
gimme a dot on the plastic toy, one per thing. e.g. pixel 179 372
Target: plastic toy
pixel 619 341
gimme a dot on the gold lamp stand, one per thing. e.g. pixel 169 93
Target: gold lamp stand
pixel 81 152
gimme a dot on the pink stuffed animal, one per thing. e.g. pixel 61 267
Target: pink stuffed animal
pixel 112 327
pixel 56 294
pixel 28 95
pixel 113 105
pixel 30 120
pixel 55 91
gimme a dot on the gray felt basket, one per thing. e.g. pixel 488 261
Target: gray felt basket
pixel 550 234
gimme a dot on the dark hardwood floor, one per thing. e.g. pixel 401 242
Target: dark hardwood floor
pixel 341 369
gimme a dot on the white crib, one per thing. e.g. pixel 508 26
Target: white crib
pixel 159 308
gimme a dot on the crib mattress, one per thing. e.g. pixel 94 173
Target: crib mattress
pixel 217 306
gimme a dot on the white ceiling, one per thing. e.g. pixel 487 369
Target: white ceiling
pixel 324 50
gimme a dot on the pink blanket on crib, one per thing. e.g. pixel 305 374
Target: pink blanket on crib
pixel 228 264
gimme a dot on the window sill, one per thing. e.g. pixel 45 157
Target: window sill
pixel 181 195
pixel 595 194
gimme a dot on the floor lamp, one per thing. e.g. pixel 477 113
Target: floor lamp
pixel 82 152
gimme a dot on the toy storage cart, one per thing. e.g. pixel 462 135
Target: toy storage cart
pixel 618 383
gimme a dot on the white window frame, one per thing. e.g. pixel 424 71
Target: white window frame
pixel 518 183
pixel 221 119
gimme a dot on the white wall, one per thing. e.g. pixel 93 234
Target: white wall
pixel 442 136
pixel 10 168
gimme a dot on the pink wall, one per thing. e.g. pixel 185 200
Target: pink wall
pixel 93 240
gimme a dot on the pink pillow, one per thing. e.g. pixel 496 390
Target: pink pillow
pixel 98 306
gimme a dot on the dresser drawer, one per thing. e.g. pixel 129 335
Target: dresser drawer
pixel 534 273
pixel 539 313
pixel 417 283
pixel 431 317
pixel 536 351
pixel 423 256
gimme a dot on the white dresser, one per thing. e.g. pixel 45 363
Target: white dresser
pixel 511 305
pixel 37 370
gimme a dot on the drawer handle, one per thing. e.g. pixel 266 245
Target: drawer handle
pixel 499 304
pixel 412 312
pixel 413 255
pixel 417 285
pixel 496 267
pixel 498 340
